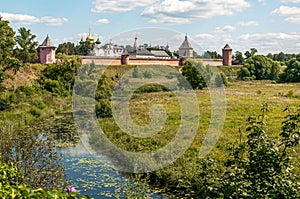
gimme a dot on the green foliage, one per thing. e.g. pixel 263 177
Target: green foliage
pixel 67 48
pixel 263 164
pixel 85 48
pixel 211 55
pixel 59 78
pixel 147 74
pixel 290 93
pixel 221 80
pixel 252 52
pixel 259 67
pixel 11 186
pixel 7 41
pixel 292 72
pixel 238 57
pixel 103 108
pixel 26 49
pixel 34 153
pixel 196 73
pixel 135 73
pixel 149 88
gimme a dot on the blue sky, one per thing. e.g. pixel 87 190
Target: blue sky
pixel 268 25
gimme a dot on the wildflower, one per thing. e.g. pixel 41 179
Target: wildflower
pixel 71 189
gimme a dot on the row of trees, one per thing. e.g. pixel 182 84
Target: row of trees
pixel 260 67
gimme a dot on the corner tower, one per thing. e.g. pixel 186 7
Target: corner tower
pixel 227 55
pixel 47 52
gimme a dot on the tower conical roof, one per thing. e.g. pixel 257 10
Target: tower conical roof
pixel 186 44
pixel 47 42
pixel 227 47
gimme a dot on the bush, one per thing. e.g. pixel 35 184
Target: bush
pixel 35 112
pixel 38 103
pixel 149 88
pixel 291 93
pixel 147 74
pixel 26 90
pixel 103 108
pixel 221 80
pixel 136 73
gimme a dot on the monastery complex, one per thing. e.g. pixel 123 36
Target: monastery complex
pixel 113 54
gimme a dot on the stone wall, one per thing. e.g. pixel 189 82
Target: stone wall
pixel 167 62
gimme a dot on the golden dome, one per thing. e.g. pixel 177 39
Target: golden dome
pixel 90 38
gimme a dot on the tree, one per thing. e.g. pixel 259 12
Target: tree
pixel 259 67
pixel 85 48
pixel 67 48
pixel 252 52
pixel 239 59
pixel 26 49
pixel 211 55
pixel 196 73
pixel 292 72
pixel 7 42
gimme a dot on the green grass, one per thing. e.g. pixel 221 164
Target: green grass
pixel 243 100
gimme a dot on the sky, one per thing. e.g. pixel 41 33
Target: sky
pixel 270 26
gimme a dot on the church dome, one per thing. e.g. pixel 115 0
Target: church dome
pixel 90 38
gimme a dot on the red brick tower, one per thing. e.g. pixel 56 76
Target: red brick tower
pixel 47 52
pixel 227 55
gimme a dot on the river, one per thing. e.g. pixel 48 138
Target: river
pixel 93 176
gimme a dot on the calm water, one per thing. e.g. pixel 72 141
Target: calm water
pixel 93 176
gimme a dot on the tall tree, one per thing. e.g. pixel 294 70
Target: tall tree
pixel 252 52
pixel 239 57
pixel 7 41
pixel 85 48
pixel 67 48
pixel 26 49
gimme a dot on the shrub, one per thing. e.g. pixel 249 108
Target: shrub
pixel 136 73
pixel 103 108
pixel 221 80
pixel 35 112
pixel 147 74
pixel 291 93
pixel 38 103
pixel 26 90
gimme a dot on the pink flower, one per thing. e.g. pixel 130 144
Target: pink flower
pixel 71 189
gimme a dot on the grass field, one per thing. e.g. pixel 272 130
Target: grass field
pixel 243 99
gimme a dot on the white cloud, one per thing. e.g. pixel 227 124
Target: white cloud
pixel 248 23
pixel 286 11
pixel 270 42
pixel 292 13
pixel 102 21
pixel 293 19
pixel 102 6
pixel 225 29
pixel 205 36
pixel 52 21
pixel 263 2
pixel 25 19
pixel 290 1
pixel 170 11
